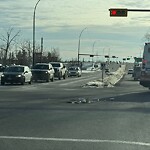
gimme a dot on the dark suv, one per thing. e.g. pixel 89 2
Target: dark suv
pixel 43 71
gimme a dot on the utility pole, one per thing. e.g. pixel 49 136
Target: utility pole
pixel 41 48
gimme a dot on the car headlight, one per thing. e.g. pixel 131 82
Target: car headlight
pixel 2 75
pixel 19 75
pixel 46 72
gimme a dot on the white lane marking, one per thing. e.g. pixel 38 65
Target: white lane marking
pixel 128 93
pixel 75 140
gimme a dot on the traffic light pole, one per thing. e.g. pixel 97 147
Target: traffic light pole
pixel 143 10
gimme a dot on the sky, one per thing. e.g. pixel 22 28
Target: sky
pixel 60 23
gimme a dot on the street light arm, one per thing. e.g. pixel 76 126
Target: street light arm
pixel 79 43
pixel 82 32
pixel 36 5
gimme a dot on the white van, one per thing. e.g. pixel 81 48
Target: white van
pixel 145 69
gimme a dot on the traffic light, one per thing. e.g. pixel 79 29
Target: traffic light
pixel 91 55
pixel 116 12
pixel 103 65
pixel 106 56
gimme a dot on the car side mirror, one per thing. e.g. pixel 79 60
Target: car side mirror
pixel 26 72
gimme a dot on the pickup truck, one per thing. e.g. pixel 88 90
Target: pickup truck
pixel 60 70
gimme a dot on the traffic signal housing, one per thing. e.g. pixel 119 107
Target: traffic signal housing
pixel 116 12
pixel 91 55
pixel 106 56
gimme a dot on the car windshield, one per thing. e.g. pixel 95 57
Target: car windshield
pixel 14 69
pixel 55 65
pixel 41 67
pixel 72 68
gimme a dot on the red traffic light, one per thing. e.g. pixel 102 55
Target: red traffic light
pixel 106 56
pixel 115 12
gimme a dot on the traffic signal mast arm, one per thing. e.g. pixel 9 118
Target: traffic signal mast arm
pixel 123 12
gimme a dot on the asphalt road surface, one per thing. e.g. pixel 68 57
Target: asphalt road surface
pixel 41 117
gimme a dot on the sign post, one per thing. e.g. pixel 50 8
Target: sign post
pixel 102 68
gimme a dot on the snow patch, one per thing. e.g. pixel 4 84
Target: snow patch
pixel 110 81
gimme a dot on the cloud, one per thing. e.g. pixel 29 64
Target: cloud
pixel 135 3
pixel 61 22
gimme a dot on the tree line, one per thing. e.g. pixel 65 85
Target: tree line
pixel 13 52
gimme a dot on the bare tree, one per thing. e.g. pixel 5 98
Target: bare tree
pixel 8 40
pixel 55 54
pixel 25 47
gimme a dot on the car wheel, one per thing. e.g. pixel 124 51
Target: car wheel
pixel 52 79
pixel 59 76
pixel 30 82
pixel 22 83
pixel 48 78
pixel 64 76
pixel 2 83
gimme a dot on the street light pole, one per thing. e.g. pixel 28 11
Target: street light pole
pixel 34 33
pixel 93 52
pixel 79 45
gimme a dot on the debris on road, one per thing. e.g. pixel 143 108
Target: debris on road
pixel 84 101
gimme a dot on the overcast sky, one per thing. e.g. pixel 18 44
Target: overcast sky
pixel 60 22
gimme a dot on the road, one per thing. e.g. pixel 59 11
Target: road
pixel 40 117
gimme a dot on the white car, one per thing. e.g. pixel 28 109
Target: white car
pixel 60 70
pixel 130 71
pixel 16 74
pixel 74 71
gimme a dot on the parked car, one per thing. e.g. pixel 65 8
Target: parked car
pixel 60 70
pixel 74 71
pixel 136 72
pixel 43 71
pixel 145 67
pixel 130 71
pixel 16 74
pixel 107 70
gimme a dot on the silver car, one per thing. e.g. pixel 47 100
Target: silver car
pixel 74 71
